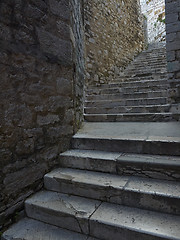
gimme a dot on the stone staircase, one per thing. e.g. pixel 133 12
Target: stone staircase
pixel 120 180
pixel 139 94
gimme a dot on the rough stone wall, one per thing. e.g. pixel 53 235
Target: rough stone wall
pixel 113 36
pixel 37 66
pixel 154 12
pixel 173 51
pixel 77 10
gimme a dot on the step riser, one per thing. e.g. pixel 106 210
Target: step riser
pixel 57 218
pixel 126 90
pixel 126 95
pixel 126 118
pixel 136 83
pixel 127 146
pixel 150 109
pixel 123 168
pixel 122 196
pixel 145 71
pixel 105 232
pixel 131 102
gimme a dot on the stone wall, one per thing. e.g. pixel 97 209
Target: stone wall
pixel 113 36
pixel 77 18
pixel 173 51
pixel 154 12
pixel 37 98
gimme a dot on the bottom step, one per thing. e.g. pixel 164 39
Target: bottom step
pixel 136 117
pixel 100 219
pixel 29 229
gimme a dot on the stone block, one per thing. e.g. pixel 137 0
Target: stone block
pixel 55 47
pixel 48 119
pixel 64 86
pixel 60 8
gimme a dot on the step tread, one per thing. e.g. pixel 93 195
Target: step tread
pixel 126 183
pixel 62 210
pixel 142 221
pixel 116 94
pixel 144 131
pixel 128 82
pixel 29 229
pixel 114 156
pixel 91 154
pixel 124 100
pixel 128 114
pixel 95 212
pixel 137 106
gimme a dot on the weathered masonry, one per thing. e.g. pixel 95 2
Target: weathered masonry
pixel 49 49
pixel 41 66
pixel 173 51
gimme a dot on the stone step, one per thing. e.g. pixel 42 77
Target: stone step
pixel 102 220
pixel 62 210
pixel 150 58
pixel 134 117
pixel 134 83
pixel 147 166
pixel 141 77
pixel 140 74
pixel 150 94
pixel 129 90
pixel 129 109
pixel 149 194
pixel 145 62
pixel 146 69
pixel 130 137
pixel 126 102
pixel 30 229
pixel 112 221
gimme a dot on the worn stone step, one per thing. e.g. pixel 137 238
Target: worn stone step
pixel 100 219
pixel 150 94
pixel 134 117
pixel 145 70
pixel 141 77
pixel 149 194
pixel 62 210
pixel 112 221
pixel 147 166
pixel 129 90
pixel 142 63
pixel 126 102
pixel 30 229
pixel 130 137
pixel 132 83
pixel 156 74
pixel 146 65
pixel 129 109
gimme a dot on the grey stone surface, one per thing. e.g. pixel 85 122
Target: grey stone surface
pixel 119 222
pixel 132 129
pixel 29 229
pixel 95 185
pixel 90 160
pixel 148 166
pixel 131 137
pixel 61 210
pixel 145 193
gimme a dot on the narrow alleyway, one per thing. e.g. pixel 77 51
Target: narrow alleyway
pixel 120 180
